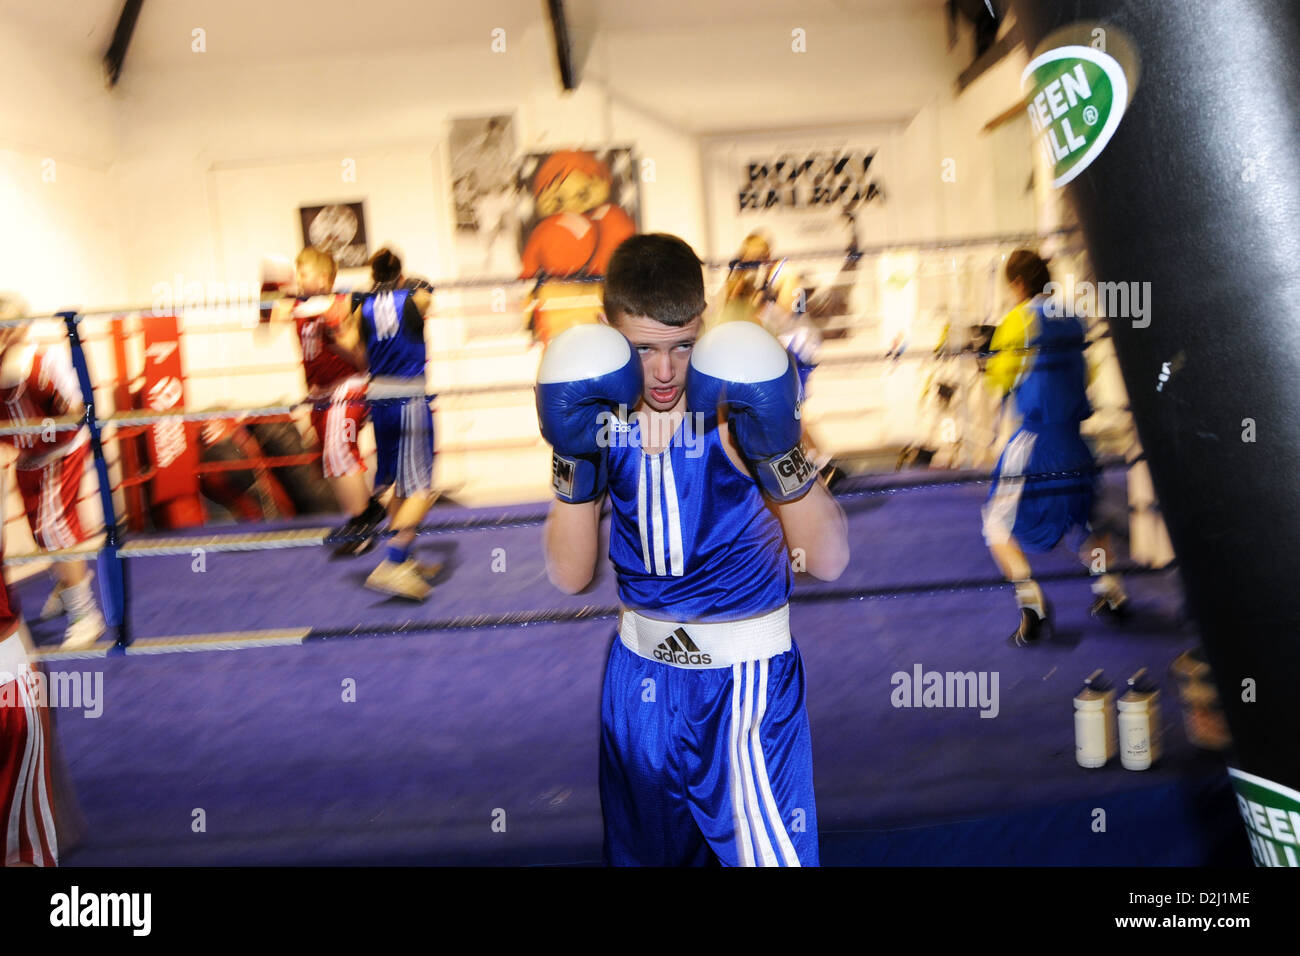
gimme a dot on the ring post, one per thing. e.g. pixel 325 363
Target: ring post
pixel 111 567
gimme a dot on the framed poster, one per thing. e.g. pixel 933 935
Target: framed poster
pixel 484 194
pixel 575 207
pixel 339 229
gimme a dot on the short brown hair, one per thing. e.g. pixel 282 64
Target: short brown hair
pixel 385 267
pixel 656 275
pixel 1029 268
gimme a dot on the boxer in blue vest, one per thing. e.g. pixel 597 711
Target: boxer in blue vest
pixel 705 752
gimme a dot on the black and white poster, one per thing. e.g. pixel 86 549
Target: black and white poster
pixel 484 191
pixel 339 229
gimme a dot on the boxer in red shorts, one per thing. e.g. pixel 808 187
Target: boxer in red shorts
pixel 27 830
pixel 334 377
pixel 39 383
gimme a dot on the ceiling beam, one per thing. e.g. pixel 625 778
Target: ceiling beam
pixel 116 54
pixel 563 47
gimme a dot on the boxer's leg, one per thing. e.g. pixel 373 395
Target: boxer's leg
pixel 50 499
pixel 646 822
pixel 338 428
pixel 744 740
pixel 399 573
pixel 1003 511
pixel 1110 599
pixel 28 835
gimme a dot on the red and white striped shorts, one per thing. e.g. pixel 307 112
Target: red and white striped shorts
pixel 50 499
pixel 338 426
pixel 27 833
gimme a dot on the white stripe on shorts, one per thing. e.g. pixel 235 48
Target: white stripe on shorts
pixel 30 796
pixel 739 821
pixel 1000 510
pixel 42 804
pixel 760 767
pixel 766 855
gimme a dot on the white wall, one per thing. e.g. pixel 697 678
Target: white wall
pixel 60 246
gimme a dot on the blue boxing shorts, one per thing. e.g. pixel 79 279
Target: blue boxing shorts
pixel 702 765
pixel 1043 489
pixel 403 444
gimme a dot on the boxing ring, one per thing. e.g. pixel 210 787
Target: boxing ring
pixel 260 707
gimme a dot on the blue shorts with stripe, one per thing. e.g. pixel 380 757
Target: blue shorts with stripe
pixel 706 766
pixel 1043 489
pixel 403 444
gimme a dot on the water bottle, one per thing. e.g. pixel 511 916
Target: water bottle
pixel 1139 723
pixel 1094 722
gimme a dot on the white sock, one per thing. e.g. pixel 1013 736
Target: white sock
pixel 78 600
pixel 1109 586
pixel 1030 595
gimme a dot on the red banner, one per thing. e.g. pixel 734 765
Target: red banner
pixel 173 446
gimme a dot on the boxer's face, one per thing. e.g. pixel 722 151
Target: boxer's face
pixel 312 281
pixel 665 352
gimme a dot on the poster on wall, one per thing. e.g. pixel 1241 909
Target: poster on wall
pixel 807 193
pixel 575 207
pixel 339 229
pixel 484 194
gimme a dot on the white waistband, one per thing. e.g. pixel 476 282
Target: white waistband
pixel 702 646
pixel 390 386
pixel 339 390
pixel 13 658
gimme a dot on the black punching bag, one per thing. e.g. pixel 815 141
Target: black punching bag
pixel 1196 191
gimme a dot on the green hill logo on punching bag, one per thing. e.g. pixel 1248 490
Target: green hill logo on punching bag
pixel 1076 97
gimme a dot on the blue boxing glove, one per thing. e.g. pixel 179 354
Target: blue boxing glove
pixel 588 371
pixel 741 367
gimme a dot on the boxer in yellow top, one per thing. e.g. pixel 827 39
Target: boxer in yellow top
pixel 1043 485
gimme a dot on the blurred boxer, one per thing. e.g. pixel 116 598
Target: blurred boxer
pixel 336 387
pixel 1044 483
pixel 39 383
pixel 28 834
pixel 759 288
pixel 387 325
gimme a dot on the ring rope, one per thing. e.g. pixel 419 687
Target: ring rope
pixel 853 254
pixel 313 537
pixel 240 640
pixel 138 417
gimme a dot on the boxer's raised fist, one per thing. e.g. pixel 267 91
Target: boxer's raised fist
pixel 740 367
pixel 587 373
